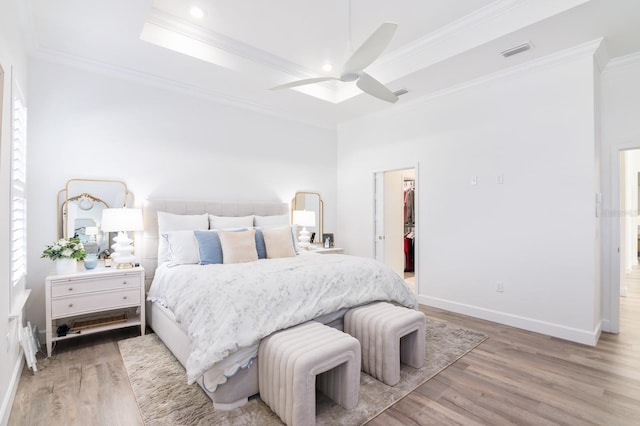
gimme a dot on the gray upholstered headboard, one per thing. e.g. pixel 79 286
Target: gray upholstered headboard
pixel 150 237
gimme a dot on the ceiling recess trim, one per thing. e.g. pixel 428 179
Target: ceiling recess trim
pixel 180 26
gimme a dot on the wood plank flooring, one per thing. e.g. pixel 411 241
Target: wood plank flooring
pixel 513 378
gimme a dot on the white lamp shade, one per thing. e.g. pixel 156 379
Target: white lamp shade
pixel 304 218
pixel 121 219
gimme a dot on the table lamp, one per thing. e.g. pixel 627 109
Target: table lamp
pixel 304 218
pixel 122 220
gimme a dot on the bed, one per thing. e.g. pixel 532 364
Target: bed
pixel 213 316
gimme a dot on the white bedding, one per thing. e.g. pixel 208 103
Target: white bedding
pixel 227 309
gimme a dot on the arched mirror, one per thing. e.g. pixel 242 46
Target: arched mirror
pixel 80 206
pixel 311 201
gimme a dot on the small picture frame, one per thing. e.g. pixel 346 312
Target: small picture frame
pixel 327 240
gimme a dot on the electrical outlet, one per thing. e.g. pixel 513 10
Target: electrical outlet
pixel 500 179
pixel 474 180
pixel 499 287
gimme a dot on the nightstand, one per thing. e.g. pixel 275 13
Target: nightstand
pixel 96 300
pixel 322 250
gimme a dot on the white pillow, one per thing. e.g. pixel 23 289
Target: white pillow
pixel 278 220
pixel 183 247
pixel 168 222
pixel 228 222
pixel 278 242
pixel 238 247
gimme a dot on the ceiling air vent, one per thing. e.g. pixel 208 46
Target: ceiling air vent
pixel 400 92
pixel 516 49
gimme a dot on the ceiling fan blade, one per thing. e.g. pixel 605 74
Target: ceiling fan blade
pixel 370 85
pixel 303 82
pixel 371 48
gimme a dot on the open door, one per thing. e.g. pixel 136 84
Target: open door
pixel 390 218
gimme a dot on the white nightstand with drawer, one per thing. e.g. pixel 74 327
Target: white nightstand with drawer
pixel 94 292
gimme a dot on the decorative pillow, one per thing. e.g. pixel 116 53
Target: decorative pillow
pixel 278 242
pixel 260 247
pixel 209 247
pixel 168 222
pixel 278 220
pixel 183 247
pixel 238 246
pixel 227 222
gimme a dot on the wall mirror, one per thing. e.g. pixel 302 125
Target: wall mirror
pixel 313 202
pixel 80 206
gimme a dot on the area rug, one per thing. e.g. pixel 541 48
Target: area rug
pixel 160 386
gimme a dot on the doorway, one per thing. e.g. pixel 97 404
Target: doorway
pixel 396 222
pixel 626 245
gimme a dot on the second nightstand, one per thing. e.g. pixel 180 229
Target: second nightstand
pixel 322 250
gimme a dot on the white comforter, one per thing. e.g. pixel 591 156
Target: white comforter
pixel 227 309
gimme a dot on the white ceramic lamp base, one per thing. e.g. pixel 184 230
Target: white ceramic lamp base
pixel 123 251
pixel 304 238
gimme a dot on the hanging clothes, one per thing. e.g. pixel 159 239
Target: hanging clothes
pixel 409 198
pixel 409 252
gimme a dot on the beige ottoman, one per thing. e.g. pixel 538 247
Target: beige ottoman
pixel 388 335
pixel 292 362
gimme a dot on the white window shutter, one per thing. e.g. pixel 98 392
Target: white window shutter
pixel 18 187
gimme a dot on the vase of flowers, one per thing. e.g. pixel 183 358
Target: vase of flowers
pixel 65 254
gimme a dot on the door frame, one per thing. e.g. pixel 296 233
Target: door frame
pixel 616 250
pixel 416 200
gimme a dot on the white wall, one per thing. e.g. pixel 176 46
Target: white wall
pixel 163 144
pixel 13 56
pixel 535 233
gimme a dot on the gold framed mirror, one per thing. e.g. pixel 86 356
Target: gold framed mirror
pixel 80 206
pixel 311 201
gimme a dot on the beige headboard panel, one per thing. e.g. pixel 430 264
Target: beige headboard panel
pixel 152 207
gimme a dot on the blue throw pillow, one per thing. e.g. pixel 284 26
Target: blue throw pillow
pixel 209 246
pixel 260 246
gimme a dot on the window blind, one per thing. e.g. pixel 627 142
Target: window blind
pixel 18 187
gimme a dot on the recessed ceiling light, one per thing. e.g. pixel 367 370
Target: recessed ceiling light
pixel 196 12
pixel 327 67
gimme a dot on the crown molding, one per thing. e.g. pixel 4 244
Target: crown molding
pixel 623 61
pixel 588 49
pixel 486 24
pixel 78 62
pixel 227 44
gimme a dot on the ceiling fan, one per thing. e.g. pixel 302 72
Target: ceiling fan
pixel 354 68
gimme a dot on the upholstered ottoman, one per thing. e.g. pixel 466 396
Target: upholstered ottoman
pixel 292 362
pixel 388 335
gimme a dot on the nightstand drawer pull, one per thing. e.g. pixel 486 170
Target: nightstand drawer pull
pixel 125 297
pixel 70 288
pixel 124 282
pixel 71 305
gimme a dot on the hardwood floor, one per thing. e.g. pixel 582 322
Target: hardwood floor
pixel 514 377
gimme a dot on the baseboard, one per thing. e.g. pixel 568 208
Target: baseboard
pixel 7 403
pixel 555 330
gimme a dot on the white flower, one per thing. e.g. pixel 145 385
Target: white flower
pixel 67 252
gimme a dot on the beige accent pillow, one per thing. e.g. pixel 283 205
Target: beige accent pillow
pixel 278 242
pixel 238 247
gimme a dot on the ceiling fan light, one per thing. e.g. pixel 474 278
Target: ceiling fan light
pixel 327 67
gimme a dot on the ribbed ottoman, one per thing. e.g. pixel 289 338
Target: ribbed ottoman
pixel 292 362
pixel 388 335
